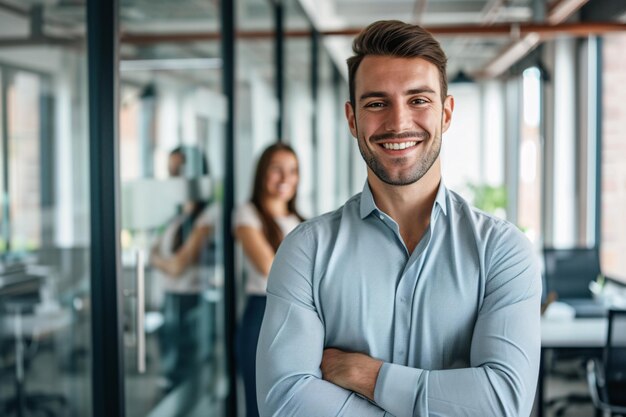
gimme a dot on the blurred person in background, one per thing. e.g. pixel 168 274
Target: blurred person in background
pixel 260 226
pixel 177 257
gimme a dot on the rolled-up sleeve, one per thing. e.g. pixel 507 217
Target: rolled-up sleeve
pixel 291 344
pixel 505 348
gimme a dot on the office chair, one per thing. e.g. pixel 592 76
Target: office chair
pixel 607 378
pixel 19 293
pixel 567 274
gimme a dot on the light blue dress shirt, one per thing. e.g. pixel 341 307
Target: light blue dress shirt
pixel 456 322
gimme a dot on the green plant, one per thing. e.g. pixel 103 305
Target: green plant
pixel 488 198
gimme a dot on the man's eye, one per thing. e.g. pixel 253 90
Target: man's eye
pixel 419 101
pixel 375 104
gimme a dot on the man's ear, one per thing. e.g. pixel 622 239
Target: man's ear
pixel 448 108
pixel 350 116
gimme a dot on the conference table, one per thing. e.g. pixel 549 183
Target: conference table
pixel 579 333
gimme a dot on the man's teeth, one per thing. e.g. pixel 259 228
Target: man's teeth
pixel 398 146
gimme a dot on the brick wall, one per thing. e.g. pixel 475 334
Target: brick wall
pixel 614 157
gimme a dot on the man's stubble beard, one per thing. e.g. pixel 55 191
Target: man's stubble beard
pixel 424 163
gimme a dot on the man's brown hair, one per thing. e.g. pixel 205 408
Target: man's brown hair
pixel 397 39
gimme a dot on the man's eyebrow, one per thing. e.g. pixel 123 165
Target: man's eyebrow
pixel 382 94
pixel 420 90
pixel 372 94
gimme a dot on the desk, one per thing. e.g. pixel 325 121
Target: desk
pixel 586 333
pixel 37 326
pixel 577 333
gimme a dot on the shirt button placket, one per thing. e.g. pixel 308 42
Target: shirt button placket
pixel 401 329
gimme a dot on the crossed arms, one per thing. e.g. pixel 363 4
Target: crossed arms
pixel 297 375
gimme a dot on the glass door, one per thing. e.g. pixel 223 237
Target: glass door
pixel 171 125
pixel 45 315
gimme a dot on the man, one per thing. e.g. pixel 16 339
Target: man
pixel 176 162
pixel 406 301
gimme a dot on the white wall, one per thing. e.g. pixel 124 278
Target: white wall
pixel 565 143
pixel 460 151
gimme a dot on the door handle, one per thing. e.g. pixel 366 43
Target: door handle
pixel 141 312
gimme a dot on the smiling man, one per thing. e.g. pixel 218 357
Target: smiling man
pixel 406 301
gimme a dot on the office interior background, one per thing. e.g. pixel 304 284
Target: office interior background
pixel 94 95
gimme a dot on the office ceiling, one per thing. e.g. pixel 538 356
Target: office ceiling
pixel 468 54
pixel 482 38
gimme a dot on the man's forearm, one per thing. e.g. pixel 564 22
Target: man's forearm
pixel 400 386
pixel 353 371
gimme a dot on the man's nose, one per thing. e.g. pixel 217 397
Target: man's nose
pixel 399 119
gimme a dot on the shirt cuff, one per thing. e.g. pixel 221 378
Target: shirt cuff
pixel 401 390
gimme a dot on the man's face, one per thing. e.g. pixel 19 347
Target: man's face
pixel 175 164
pixel 398 118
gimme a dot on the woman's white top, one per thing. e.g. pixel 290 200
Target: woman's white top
pixel 192 278
pixel 247 215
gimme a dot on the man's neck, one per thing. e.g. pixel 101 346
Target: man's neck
pixel 409 205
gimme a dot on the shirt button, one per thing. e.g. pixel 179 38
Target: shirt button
pixel 382 217
pixel 403 299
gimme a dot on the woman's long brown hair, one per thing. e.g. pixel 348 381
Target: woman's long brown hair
pixel 271 230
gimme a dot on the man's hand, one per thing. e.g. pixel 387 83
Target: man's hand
pixel 356 372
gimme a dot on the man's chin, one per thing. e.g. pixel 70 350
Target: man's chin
pixel 397 180
pixel 401 182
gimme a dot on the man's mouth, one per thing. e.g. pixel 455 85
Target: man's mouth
pixel 396 146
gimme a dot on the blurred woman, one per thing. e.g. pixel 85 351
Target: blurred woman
pixel 177 259
pixel 260 226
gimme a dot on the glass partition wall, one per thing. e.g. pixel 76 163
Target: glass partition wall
pixel 170 99
pixel 256 100
pixel 298 100
pixel 172 117
pixel 45 326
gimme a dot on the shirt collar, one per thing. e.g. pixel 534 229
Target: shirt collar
pixel 368 205
pixel 367 201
